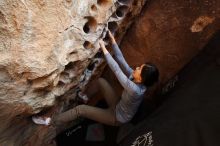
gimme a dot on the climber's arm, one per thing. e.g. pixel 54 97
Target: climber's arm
pixel 119 56
pixel 127 84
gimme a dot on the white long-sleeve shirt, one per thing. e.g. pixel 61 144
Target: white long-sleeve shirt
pixel 132 94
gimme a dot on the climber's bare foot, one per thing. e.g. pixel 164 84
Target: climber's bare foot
pixel 41 120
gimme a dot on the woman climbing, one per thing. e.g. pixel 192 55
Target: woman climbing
pixel 120 110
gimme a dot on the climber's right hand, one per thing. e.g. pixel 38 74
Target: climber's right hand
pixel 111 37
pixel 102 43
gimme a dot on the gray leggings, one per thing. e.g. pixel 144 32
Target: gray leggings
pixel 105 116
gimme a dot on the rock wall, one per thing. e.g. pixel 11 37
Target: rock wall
pixel 45 49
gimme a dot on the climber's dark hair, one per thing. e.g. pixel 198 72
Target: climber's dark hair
pixel 149 74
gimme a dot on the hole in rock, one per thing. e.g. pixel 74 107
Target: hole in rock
pixel 121 11
pixel 93 63
pixel 99 54
pixel 73 52
pixel 93 8
pixel 88 45
pixel 86 28
pixel 112 26
pixel 60 84
pixel 90 25
pixel 91 66
pixel 104 2
pixel 69 66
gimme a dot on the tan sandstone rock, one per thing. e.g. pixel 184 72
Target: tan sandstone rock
pixel 45 48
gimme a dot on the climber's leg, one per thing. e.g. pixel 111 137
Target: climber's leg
pixel 107 91
pixel 105 116
pixel 92 89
